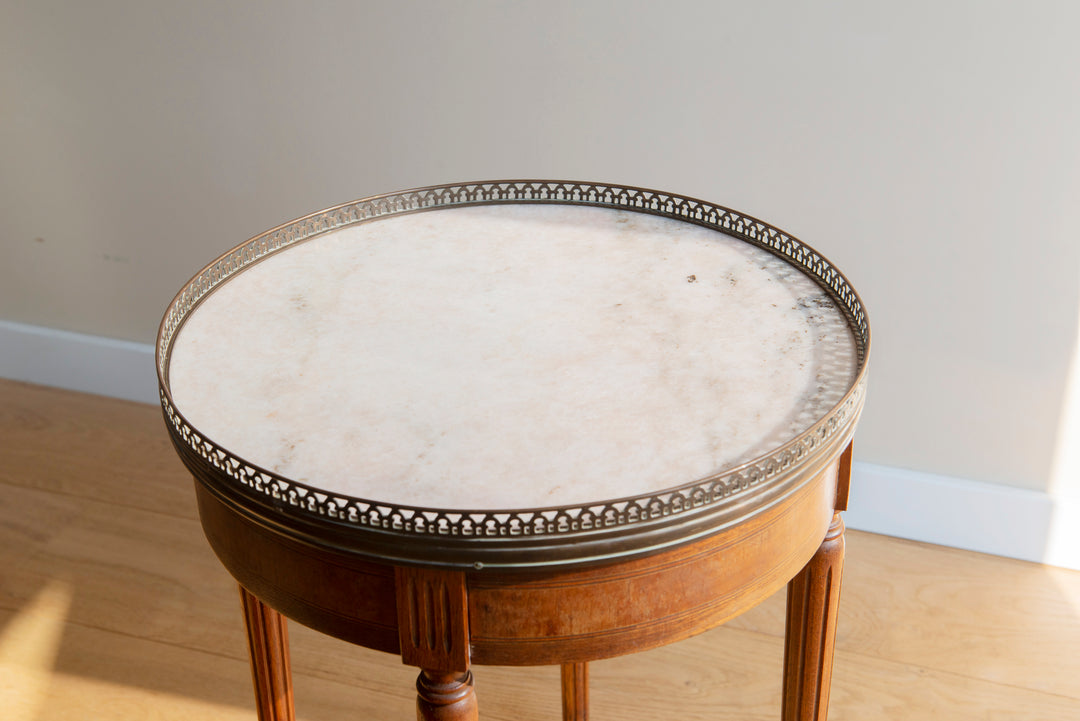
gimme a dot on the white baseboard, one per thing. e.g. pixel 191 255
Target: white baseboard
pixel 77 362
pixel 984 517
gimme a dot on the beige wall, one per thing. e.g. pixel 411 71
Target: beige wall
pixel 930 149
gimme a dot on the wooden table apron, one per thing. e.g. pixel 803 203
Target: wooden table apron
pixel 446 602
pixel 524 616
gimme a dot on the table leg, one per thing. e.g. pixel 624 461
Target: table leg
pixel 268 644
pixel 445 697
pixel 812 603
pixel 575 691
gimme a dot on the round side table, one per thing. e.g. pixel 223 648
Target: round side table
pixel 520 423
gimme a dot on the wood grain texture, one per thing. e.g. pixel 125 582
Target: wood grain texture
pixel 813 605
pixel 442 620
pixel 561 616
pixel 268 647
pixel 52 438
pixel 433 619
pixel 153 631
pixel 575 691
pixel 338 594
pixel 952 611
pixel 445 697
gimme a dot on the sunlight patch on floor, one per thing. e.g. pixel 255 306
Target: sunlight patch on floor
pixel 31 688
pixel 29 644
pixel 94 698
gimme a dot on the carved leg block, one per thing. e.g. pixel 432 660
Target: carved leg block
pixel 445 697
pixel 575 691
pixel 268 644
pixel 812 604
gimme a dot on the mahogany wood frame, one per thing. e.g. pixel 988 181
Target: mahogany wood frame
pixel 445 589
pixel 268 645
pixel 443 621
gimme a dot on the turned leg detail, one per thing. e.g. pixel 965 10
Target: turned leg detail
pixel 445 697
pixel 433 633
pixel 812 603
pixel 575 691
pixel 268 644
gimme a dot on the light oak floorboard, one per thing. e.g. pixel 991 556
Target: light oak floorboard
pixel 113 606
pixel 985 617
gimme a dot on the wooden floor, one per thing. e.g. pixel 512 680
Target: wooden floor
pixel 112 606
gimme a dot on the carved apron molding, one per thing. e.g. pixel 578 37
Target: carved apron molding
pixel 433 618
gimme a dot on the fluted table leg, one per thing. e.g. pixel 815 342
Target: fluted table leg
pixel 812 604
pixel 575 691
pixel 268 644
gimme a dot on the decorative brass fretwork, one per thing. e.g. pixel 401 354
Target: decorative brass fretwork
pixel 289 496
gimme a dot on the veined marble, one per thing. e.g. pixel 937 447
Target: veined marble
pixel 511 356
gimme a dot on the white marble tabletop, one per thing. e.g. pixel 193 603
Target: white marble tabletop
pixel 511 356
